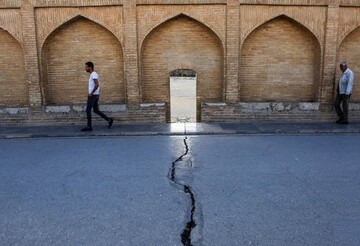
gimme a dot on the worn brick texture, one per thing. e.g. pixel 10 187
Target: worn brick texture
pixel 280 61
pixel 14 90
pixel 150 16
pixel 49 19
pixel 182 43
pixel 253 16
pixel 350 52
pixel 243 51
pixel 349 46
pixel 63 57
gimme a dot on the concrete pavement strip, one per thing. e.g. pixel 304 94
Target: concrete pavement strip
pixel 176 129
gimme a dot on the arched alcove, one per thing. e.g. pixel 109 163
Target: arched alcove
pixel 280 61
pixel 15 90
pixel 63 56
pixel 182 43
pixel 349 50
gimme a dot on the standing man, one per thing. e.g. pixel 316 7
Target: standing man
pixel 344 90
pixel 93 97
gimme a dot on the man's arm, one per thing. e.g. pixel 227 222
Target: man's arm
pixel 96 81
pixel 350 84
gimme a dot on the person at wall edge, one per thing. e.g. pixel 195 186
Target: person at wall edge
pixel 344 90
pixel 93 97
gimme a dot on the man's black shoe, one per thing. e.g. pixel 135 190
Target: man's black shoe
pixel 339 121
pixel 86 129
pixel 110 122
pixel 344 122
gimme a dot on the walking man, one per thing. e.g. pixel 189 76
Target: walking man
pixel 344 90
pixel 93 97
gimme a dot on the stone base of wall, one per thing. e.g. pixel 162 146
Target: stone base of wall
pixel 273 111
pixel 156 112
pixel 76 114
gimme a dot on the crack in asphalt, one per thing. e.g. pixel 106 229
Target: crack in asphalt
pixel 186 234
pixel 191 224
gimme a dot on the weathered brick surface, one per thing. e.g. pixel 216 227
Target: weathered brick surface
pixel 350 51
pixel 63 58
pixel 49 19
pixel 182 43
pixel 278 52
pixel 131 53
pixel 280 62
pixel 349 46
pixel 233 52
pixel 12 72
pixel 329 60
pixel 31 56
pixel 252 16
pixel 271 111
pixel 10 20
pixel 150 16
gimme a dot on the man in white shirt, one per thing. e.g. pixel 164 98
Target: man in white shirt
pixel 344 90
pixel 93 97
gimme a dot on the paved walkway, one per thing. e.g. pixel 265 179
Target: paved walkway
pixel 148 129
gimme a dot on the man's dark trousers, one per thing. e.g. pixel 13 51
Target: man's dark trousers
pixel 345 100
pixel 93 102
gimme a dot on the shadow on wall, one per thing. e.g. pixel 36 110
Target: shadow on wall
pixel 349 50
pixel 196 47
pixel 63 56
pixel 12 70
pixel 280 61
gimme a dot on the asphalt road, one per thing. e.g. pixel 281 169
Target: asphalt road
pixel 237 190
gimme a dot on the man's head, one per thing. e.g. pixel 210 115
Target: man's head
pixel 343 66
pixel 89 66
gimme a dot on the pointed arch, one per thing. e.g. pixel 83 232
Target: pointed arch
pixel 69 19
pixel 16 37
pixel 168 18
pixel 12 70
pixel 62 62
pixel 293 19
pixel 280 61
pixel 349 50
pixel 348 33
pixel 182 43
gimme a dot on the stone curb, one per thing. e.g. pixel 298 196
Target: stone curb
pixel 204 133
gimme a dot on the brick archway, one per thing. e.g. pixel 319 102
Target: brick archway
pixel 280 61
pixel 349 50
pixel 181 43
pixel 63 56
pixel 13 73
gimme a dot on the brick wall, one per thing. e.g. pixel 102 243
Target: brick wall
pixel 63 58
pixel 181 43
pixel 14 90
pixel 277 53
pixel 280 61
pixel 131 54
pixel 349 51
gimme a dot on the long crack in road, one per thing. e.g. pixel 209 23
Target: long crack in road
pixel 179 175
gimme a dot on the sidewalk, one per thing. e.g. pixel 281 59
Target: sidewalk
pixel 149 129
